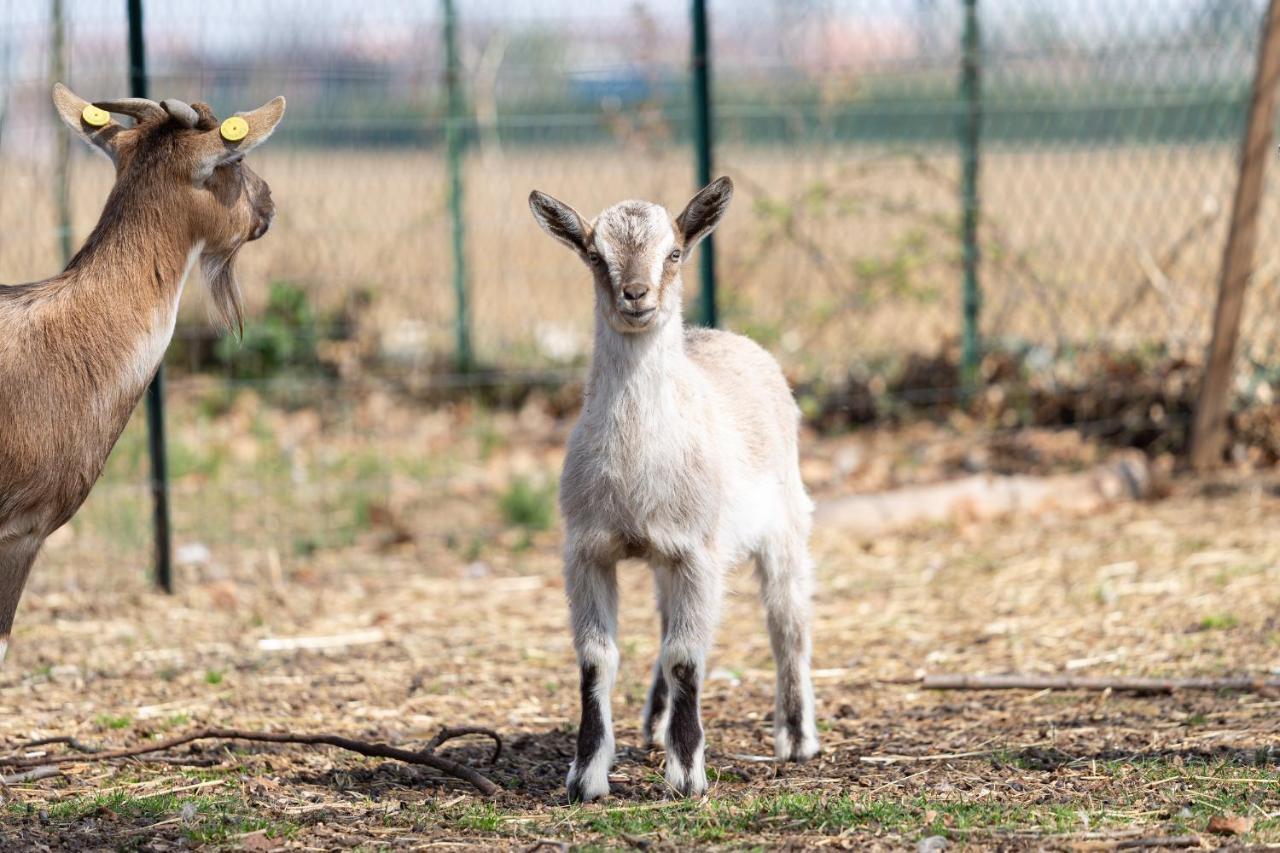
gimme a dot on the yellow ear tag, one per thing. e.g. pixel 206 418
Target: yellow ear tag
pixel 94 117
pixel 234 129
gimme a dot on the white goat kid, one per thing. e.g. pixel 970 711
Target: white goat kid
pixel 685 455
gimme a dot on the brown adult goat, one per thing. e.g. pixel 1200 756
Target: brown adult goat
pixel 77 350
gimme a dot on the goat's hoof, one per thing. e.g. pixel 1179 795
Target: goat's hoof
pixel 583 789
pixel 798 751
pixel 688 788
pixel 682 784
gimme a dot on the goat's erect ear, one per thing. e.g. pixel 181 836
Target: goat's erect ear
pixel 704 212
pixel 560 221
pixel 236 137
pixel 104 137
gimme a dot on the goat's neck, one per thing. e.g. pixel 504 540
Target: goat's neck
pixel 122 289
pixel 637 368
pixel 136 256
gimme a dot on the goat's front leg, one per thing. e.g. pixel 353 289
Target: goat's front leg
pixel 694 609
pixel 592 587
pixel 17 554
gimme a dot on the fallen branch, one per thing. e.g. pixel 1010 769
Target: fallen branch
pixel 1129 477
pixel 67 739
pixel 373 750
pixel 1159 841
pixel 44 771
pixel 942 756
pixel 1124 839
pixel 1068 682
pixel 450 732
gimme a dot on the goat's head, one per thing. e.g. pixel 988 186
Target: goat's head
pixel 185 171
pixel 635 250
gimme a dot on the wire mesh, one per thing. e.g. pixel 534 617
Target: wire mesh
pixel 1110 139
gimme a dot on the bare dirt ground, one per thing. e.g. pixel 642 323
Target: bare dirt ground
pixel 445 577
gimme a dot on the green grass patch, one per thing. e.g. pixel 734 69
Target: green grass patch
pixel 208 818
pixel 526 505
pixel 1135 795
pixel 1219 622
pixel 107 721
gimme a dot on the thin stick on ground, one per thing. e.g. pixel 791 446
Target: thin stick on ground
pixel 35 774
pixel 1156 841
pixel 373 750
pixel 947 681
pixel 70 741
pixel 450 732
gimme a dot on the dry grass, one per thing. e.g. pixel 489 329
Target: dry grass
pixel 832 255
pixel 471 607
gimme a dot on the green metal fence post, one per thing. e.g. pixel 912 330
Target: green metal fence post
pixel 62 162
pixel 155 391
pixel 970 138
pixel 701 61
pixel 454 142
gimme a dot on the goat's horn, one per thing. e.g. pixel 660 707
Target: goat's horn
pixel 181 112
pixel 136 108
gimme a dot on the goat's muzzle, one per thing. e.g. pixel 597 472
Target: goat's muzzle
pixel 263 215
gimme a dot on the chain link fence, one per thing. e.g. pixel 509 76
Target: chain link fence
pixel 1108 153
pixel 1109 145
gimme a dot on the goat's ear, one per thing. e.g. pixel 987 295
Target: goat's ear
pixel 704 211
pixel 236 137
pixel 103 137
pixel 560 221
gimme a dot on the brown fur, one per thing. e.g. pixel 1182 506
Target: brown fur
pixel 77 350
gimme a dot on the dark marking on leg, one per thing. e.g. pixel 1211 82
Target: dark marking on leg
pixel 656 706
pixel 590 730
pixel 685 729
pixel 793 717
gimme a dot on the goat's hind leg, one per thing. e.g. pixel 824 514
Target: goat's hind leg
pixel 16 557
pixel 657 706
pixel 592 588
pixel 786 583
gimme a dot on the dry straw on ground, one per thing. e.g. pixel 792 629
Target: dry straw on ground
pixel 1184 587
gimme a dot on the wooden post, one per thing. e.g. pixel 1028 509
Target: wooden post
pixel 1208 435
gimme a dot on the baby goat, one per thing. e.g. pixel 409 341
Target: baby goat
pixel 77 350
pixel 685 455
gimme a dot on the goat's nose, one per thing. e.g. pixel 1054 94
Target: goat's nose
pixel 635 290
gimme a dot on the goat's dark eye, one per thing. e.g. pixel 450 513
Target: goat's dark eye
pixel 593 258
pixel 674 256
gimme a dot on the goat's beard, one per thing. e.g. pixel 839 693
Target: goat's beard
pixel 224 289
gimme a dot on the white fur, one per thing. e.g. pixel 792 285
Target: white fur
pixel 685 454
pixel 150 348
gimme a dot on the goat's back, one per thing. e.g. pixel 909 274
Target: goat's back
pixel 752 392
